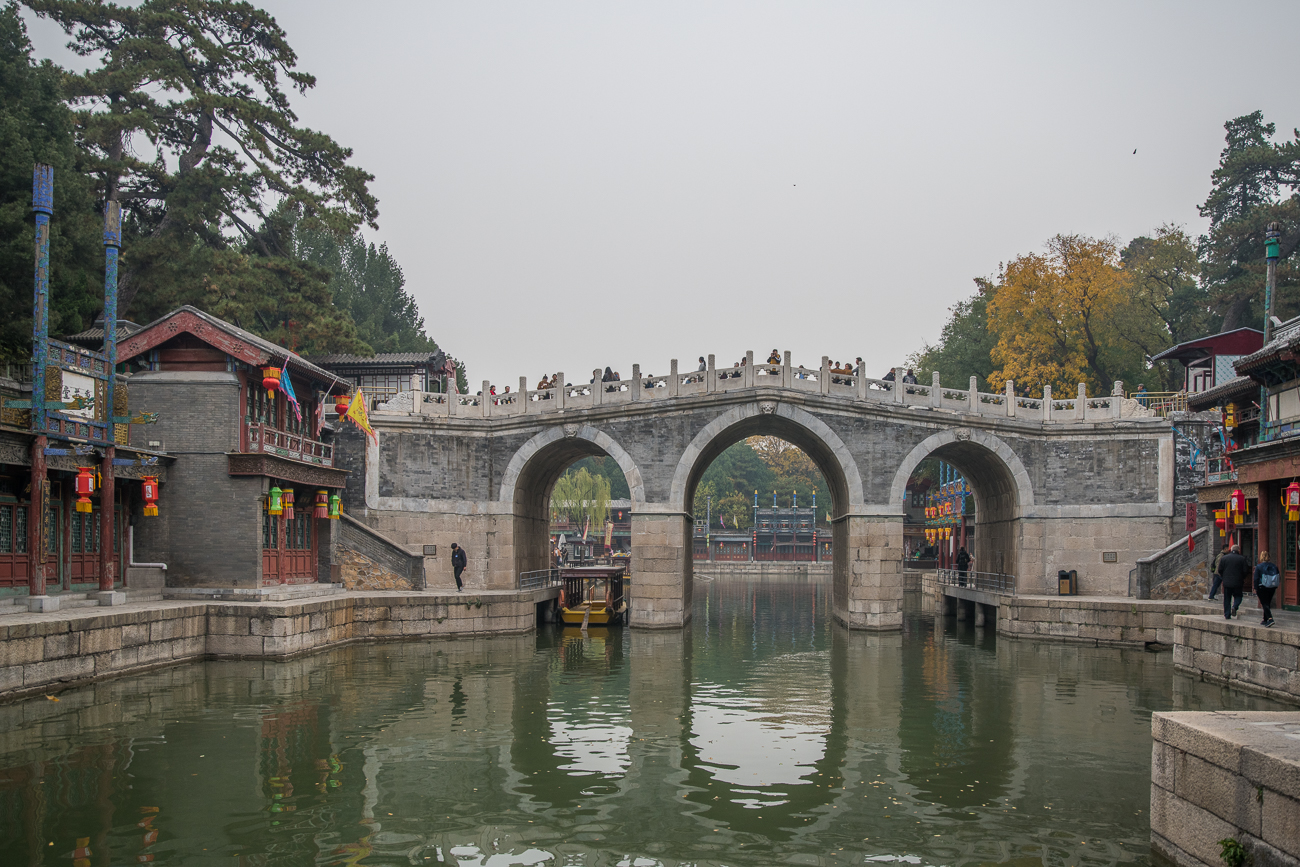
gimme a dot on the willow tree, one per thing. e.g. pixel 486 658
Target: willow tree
pixel 582 497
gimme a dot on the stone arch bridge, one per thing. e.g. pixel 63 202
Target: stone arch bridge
pixel 1057 480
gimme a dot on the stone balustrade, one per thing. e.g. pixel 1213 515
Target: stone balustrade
pixel 786 376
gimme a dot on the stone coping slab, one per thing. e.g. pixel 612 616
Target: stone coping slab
pixel 1226 774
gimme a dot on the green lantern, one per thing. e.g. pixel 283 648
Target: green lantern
pixel 275 501
pixel 1272 246
pixel 335 503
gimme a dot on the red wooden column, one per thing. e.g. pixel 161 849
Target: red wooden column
pixel 36 521
pixel 107 556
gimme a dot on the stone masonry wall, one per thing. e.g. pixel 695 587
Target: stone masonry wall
pixel 1239 653
pixel 369 561
pixel 1227 775
pixel 41 653
pixel 1077 619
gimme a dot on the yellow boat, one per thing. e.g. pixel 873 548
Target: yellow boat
pixel 592 596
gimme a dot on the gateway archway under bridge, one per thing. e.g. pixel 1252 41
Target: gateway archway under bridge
pixel 1058 482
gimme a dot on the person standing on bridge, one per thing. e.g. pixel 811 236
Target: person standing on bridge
pixel 963 564
pixel 1214 570
pixel 1234 568
pixel 458 563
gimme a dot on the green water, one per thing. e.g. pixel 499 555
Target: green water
pixel 761 735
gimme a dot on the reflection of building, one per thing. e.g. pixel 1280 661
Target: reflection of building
pixel 778 535
pixel 1257 456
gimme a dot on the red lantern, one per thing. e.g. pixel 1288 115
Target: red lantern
pixel 1293 501
pixel 341 404
pixel 1238 506
pixel 149 488
pixel 288 504
pixel 85 487
pixel 270 380
pixel 322 505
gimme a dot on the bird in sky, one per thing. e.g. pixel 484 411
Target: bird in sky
pixel 1135 150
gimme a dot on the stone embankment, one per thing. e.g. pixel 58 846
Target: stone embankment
pixel 45 652
pixel 1230 775
pixel 1242 654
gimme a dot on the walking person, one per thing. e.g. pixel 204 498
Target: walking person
pixel 1267 577
pixel 1214 570
pixel 1234 568
pixel 458 562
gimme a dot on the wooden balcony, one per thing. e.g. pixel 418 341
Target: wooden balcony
pixel 295 447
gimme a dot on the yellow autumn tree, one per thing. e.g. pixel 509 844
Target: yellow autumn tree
pixel 1066 317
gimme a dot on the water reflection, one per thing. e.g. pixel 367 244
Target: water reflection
pixel 763 734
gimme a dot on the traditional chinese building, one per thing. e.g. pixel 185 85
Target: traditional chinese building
pixel 244 452
pixel 778 535
pixel 381 377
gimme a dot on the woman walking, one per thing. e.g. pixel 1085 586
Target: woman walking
pixel 1266 581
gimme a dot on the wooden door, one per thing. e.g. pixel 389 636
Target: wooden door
pixel 83 548
pixel 14 565
pixel 270 548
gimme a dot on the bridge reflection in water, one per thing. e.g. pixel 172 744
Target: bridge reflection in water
pixel 763 734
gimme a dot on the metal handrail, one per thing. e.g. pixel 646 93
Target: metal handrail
pixel 988 582
pixel 539 579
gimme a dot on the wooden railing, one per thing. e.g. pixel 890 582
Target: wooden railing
pixel 643 387
pixel 296 447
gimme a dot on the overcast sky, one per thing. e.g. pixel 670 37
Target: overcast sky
pixel 574 185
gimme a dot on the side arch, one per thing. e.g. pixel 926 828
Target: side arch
pixel 588 436
pixel 789 422
pixel 956 447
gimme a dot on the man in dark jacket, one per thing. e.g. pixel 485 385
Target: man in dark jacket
pixel 458 562
pixel 1234 568
pixel 1214 571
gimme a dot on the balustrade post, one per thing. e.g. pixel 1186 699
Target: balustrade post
pixel 748 377
pixel 1082 401
pixel 898 384
pixel 973 400
pixel 560 391
pixel 636 382
pixel 711 376
pixel 1117 399
pixel 484 400
pixel 936 391
pixel 1047 402
pixel 787 375
pixel 597 388
pixel 674 381
pixel 824 377
pixel 1010 399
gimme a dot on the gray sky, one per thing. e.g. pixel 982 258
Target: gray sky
pixel 574 185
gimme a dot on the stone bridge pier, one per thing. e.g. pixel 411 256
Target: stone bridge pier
pixel 1049 493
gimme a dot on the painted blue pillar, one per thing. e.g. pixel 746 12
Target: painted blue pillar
pixel 43 205
pixel 108 556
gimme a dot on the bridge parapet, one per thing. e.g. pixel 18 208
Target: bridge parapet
pixel 824 380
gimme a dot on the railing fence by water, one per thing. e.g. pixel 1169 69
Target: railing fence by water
pixel 988 582
pixel 539 579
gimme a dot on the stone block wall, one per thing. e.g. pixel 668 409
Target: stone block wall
pixel 46 652
pixel 1226 775
pixel 369 560
pixel 1240 653
pixel 487 538
pixel 1048 545
pixel 1077 619
pixel 202 509
pixel 870 594
pixel 662 570
pixel 1175 572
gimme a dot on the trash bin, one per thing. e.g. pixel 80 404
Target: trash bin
pixel 1067 583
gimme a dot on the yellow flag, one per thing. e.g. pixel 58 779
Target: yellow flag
pixel 357 412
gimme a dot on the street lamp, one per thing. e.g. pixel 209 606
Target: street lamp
pixel 708 524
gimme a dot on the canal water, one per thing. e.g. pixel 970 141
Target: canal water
pixel 761 735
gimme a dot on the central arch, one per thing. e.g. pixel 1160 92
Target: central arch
pixel 803 430
pixel 531 476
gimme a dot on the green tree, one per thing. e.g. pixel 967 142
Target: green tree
pixel 368 282
pixel 1164 275
pixel 186 122
pixel 583 498
pixel 965 345
pixel 601 465
pixel 37 126
pixel 1256 183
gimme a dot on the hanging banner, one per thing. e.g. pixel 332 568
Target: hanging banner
pixel 287 387
pixel 357 413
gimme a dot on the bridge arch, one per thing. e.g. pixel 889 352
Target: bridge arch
pixel 762 418
pixel 532 473
pixel 999 481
